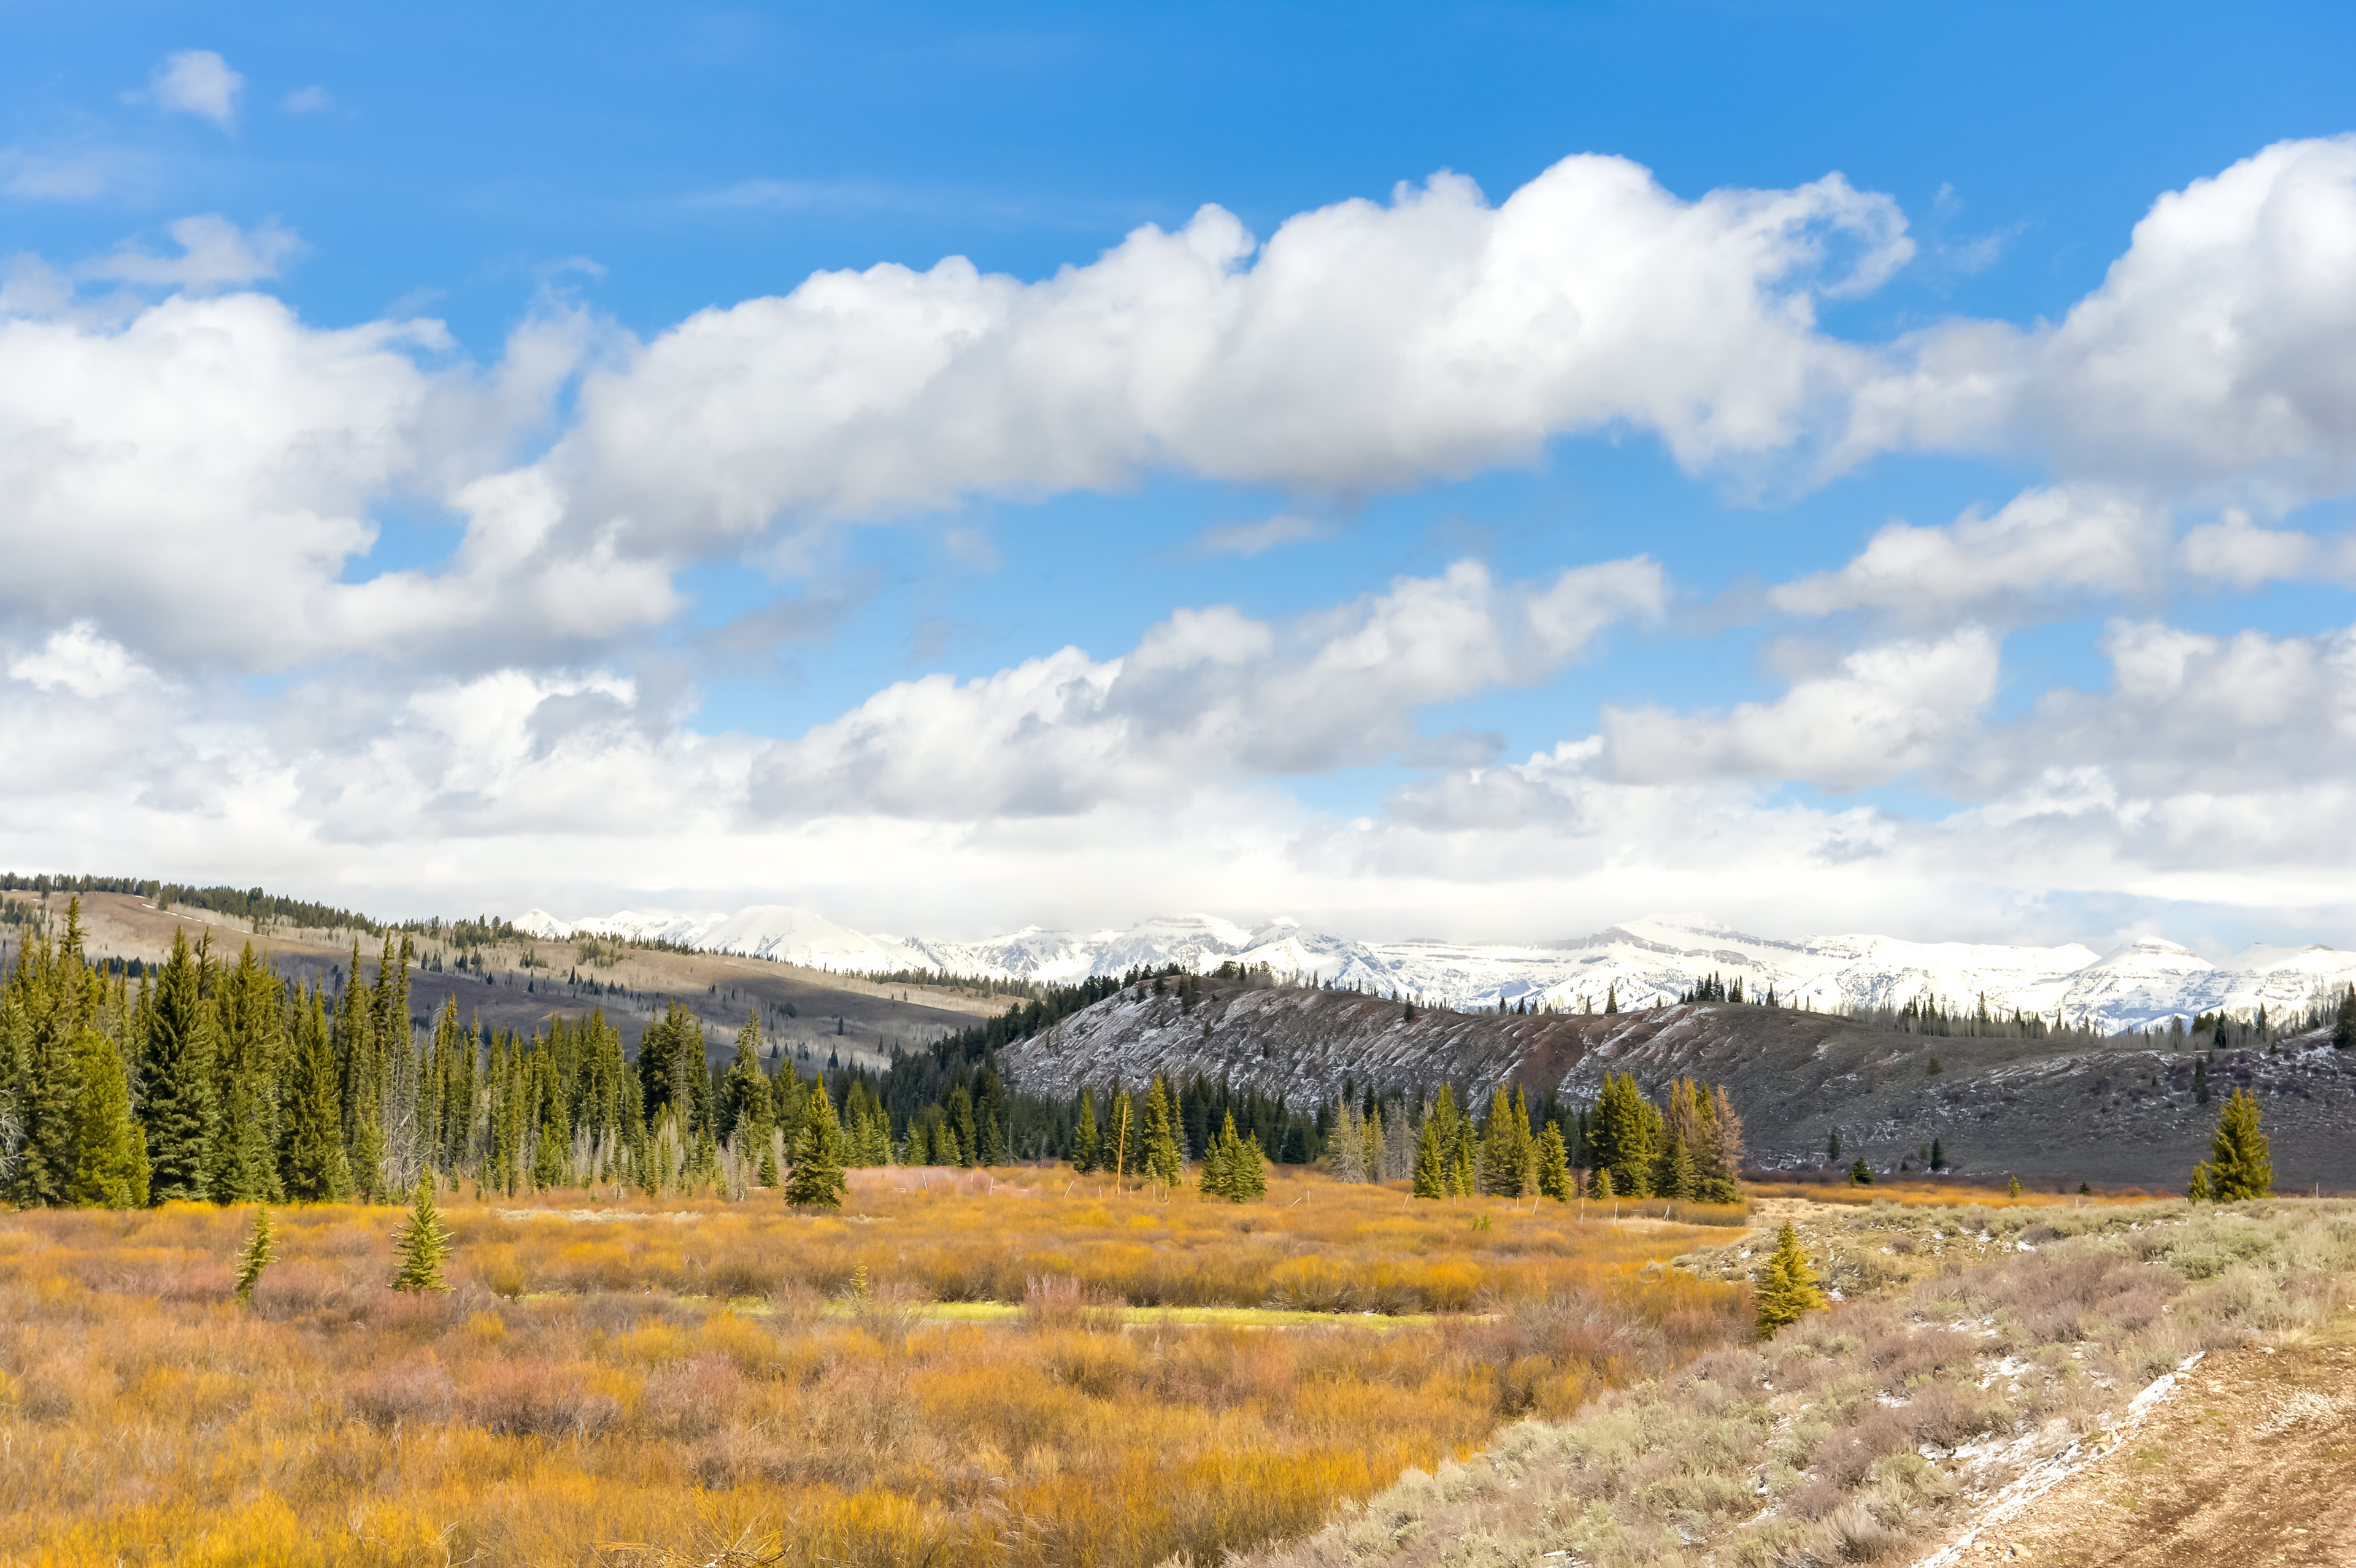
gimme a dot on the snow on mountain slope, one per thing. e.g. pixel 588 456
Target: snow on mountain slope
pixel 1639 963
pixel 783 931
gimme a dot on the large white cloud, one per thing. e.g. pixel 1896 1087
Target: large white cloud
pixel 2220 350
pixel 1362 347
pixel 1208 696
pixel 1886 711
pixel 2044 546
pixel 196 480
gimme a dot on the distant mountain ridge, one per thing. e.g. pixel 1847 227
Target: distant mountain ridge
pixel 1641 962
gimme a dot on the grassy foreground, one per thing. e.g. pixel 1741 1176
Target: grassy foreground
pixel 976 1371
pixel 1974 1346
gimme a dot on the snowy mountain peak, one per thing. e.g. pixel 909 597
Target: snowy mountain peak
pixel 1636 964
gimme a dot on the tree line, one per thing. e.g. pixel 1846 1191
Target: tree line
pixel 214 1077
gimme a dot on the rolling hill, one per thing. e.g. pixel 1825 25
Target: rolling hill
pixel 2056 1109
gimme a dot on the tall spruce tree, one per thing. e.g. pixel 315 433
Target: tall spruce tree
pixel 1232 1169
pixel 1554 1165
pixel 816 1180
pixel 242 1166
pixel 1673 1175
pixel 41 1009
pixel 312 1167
pixel 1084 1136
pixel 1430 1165
pixel 176 1079
pixel 553 1154
pixel 1621 1134
pixel 1161 1139
pixel 111 1171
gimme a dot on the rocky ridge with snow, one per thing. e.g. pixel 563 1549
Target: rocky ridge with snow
pixel 2138 984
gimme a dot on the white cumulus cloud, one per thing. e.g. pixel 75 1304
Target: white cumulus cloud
pixel 1364 346
pixel 199 82
pixel 81 661
pixel 2220 349
pixel 2042 545
pixel 1208 694
pixel 1886 710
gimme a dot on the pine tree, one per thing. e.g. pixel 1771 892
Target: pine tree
pixel 1938 1156
pixel 241 1167
pixel 1554 1165
pixel 959 1111
pixel 2239 1163
pixel 113 1170
pixel 1832 1148
pixel 1233 1167
pixel 1622 1137
pixel 1600 1185
pixel 1611 998
pixel 1676 1179
pixel 40 1063
pixel 1860 1174
pixel 2199 1190
pixel 553 1162
pixel 1161 1140
pixel 2343 1021
pixel 1213 1180
pixel 2199 1080
pixel 2012 1187
pixel 1787 1285
pixel 254 1257
pixel 1431 1165
pixel 989 1120
pixel 816 1180
pixel 1461 1169
pixel 422 1243
pixel 313 1169
pixel 176 1079
pixel 1084 1136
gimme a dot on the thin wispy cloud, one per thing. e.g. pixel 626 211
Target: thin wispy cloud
pixel 1255 539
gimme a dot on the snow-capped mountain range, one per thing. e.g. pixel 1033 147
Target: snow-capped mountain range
pixel 2137 985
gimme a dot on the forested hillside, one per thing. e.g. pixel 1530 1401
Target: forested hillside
pixel 1996 1096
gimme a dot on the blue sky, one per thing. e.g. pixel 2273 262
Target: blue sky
pixel 785 662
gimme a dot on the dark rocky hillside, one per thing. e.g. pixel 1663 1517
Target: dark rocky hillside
pixel 2112 1110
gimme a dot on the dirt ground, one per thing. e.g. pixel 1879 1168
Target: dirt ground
pixel 2252 1462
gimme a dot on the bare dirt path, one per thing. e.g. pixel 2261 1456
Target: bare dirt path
pixel 2252 1463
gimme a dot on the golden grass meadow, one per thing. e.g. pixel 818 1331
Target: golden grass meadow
pixel 641 1381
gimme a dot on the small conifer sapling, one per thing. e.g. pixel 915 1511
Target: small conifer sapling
pixel 1787 1285
pixel 424 1245
pixel 254 1257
